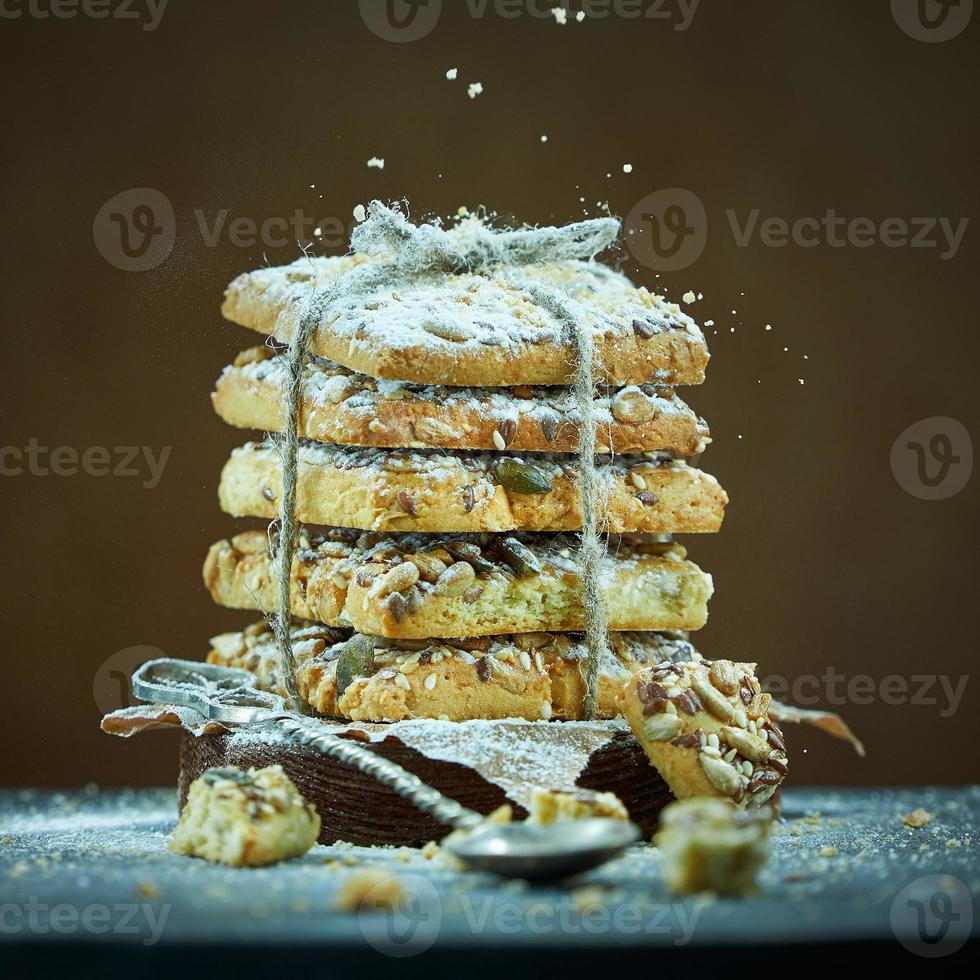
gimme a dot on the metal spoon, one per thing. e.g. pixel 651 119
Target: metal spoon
pixel 229 696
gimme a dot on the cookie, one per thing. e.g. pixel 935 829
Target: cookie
pixel 245 819
pixel 548 806
pixel 413 586
pixel 340 406
pixel 384 490
pixel 477 329
pixel 528 675
pixel 709 846
pixel 705 727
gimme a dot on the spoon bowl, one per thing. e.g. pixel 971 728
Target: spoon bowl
pixel 536 852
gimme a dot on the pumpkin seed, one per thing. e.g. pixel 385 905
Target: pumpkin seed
pixel 356 660
pixel 520 557
pixel 522 477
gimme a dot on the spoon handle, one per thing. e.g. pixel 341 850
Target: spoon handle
pixel 428 800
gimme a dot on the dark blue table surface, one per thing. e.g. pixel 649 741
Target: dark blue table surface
pixel 92 869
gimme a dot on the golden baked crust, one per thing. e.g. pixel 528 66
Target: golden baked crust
pixel 340 406
pixel 527 675
pixel 390 490
pixel 412 586
pixel 477 329
pixel 705 727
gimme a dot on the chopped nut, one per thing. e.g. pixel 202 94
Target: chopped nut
pixel 456 579
pixel 919 817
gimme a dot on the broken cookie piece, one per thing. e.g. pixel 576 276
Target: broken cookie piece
pixel 245 819
pixel 550 805
pixel 709 846
pixel 705 727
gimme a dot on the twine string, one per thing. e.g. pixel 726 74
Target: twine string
pixel 404 250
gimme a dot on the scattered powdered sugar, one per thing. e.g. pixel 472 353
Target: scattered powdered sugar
pixel 466 312
pixel 377 163
pixel 327 382
pixel 475 89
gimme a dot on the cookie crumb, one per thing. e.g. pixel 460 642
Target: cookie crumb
pixel 689 296
pixel 550 805
pixel 360 214
pixel 919 817
pixel 373 889
pixel 828 852
pixel 708 845
pixel 146 889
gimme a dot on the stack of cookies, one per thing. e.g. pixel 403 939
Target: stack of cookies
pixel 436 573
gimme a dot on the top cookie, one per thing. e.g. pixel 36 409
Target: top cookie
pixel 477 329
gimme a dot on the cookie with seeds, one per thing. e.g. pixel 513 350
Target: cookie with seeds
pixel 416 586
pixel 477 329
pixel 705 727
pixel 527 675
pixel 245 818
pixel 388 490
pixel 340 406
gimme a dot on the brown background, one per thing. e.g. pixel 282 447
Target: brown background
pixel 789 107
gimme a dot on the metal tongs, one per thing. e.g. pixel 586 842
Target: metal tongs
pixel 229 696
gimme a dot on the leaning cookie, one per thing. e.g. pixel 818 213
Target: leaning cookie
pixel 417 586
pixel 337 405
pixel 245 819
pixel 477 329
pixel 705 727
pixel 529 675
pixel 386 490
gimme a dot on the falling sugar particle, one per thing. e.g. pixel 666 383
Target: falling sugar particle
pixel 801 381
pixel 359 213
pixel 768 326
pixel 452 74
pixel 689 297
pixel 627 168
pixel 709 323
pixel 740 435
pixel 475 89
pixel 317 231
pixel 377 163
pixel 580 16
pixel 560 14
pixel 544 138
